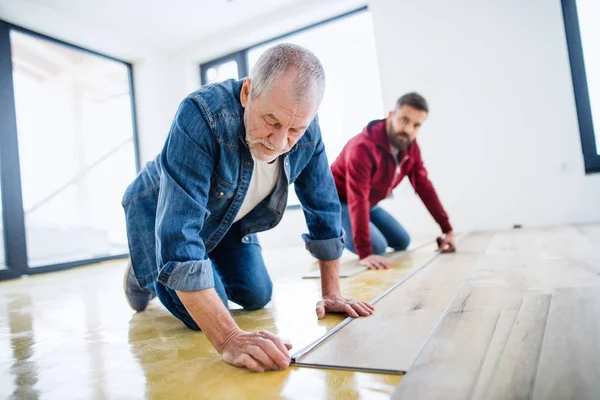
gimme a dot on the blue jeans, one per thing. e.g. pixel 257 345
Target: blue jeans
pixel 239 273
pixel 384 229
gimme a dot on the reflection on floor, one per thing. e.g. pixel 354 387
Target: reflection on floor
pixel 71 335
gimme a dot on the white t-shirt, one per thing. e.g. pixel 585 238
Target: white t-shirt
pixel 263 182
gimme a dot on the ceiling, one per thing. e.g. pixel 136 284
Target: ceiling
pixel 167 25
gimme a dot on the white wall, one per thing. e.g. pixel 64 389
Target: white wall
pixel 502 142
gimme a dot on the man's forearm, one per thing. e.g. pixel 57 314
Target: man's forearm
pixel 207 310
pixel 330 277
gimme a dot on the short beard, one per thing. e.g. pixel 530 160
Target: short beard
pixel 398 144
pixel 258 154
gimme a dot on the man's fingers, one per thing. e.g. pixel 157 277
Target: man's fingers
pixel 360 309
pixel 288 346
pixel 247 361
pixel 363 311
pixel 260 355
pixel 278 342
pixel 367 305
pixel 350 311
pixel 320 310
pixel 281 359
pixel 447 248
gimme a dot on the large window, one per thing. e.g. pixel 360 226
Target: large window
pixel 582 30
pixel 346 48
pixel 74 135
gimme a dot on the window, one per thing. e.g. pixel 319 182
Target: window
pixel 222 72
pixel 228 67
pixel 582 30
pixel 75 138
pixel 346 47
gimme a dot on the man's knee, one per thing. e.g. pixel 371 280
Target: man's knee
pixel 402 244
pixel 256 297
pixel 379 247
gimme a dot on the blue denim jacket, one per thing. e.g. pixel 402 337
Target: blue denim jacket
pixel 184 201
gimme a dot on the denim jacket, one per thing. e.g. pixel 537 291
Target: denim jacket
pixel 184 201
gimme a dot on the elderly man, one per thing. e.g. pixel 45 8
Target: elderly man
pixel 223 175
pixel 369 167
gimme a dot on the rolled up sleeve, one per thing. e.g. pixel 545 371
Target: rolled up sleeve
pixel 325 249
pixel 187 164
pixel 187 276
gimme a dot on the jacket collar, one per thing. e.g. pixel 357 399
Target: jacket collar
pixel 376 130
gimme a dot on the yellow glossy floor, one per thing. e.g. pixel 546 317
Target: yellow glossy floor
pixel 71 335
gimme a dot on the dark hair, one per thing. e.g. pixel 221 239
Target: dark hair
pixel 414 100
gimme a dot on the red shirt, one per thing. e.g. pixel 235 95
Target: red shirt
pixel 366 172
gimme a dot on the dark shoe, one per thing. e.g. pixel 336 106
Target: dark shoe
pixel 137 297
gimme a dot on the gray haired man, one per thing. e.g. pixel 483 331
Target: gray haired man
pixel 223 175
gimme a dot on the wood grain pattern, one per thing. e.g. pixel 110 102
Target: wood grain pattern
pixel 494 351
pixel 448 365
pixel 517 366
pixel 391 338
pixel 551 350
pixel 569 366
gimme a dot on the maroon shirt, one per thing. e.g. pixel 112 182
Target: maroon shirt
pixel 366 172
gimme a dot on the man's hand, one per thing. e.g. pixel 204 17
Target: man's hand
pixel 257 351
pixel 376 262
pixel 338 304
pixel 447 243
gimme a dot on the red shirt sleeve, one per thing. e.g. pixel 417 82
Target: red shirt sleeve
pixel 422 185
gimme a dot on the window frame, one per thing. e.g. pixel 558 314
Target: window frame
pixel 580 87
pixel 13 215
pixel 241 56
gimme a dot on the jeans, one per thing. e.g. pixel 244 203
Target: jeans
pixel 240 275
pixel 384 229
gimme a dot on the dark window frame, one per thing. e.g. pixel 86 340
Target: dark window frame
pixel 580 87
pixel 13 217
pixel 242 55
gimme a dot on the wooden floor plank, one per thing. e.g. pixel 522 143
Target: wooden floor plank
pixel 351 268
pixel 477 352
pixel 448 365
pixel 517 366
pixel 569 366
pixel 494 351
pixel 347 270
pixel 392 337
